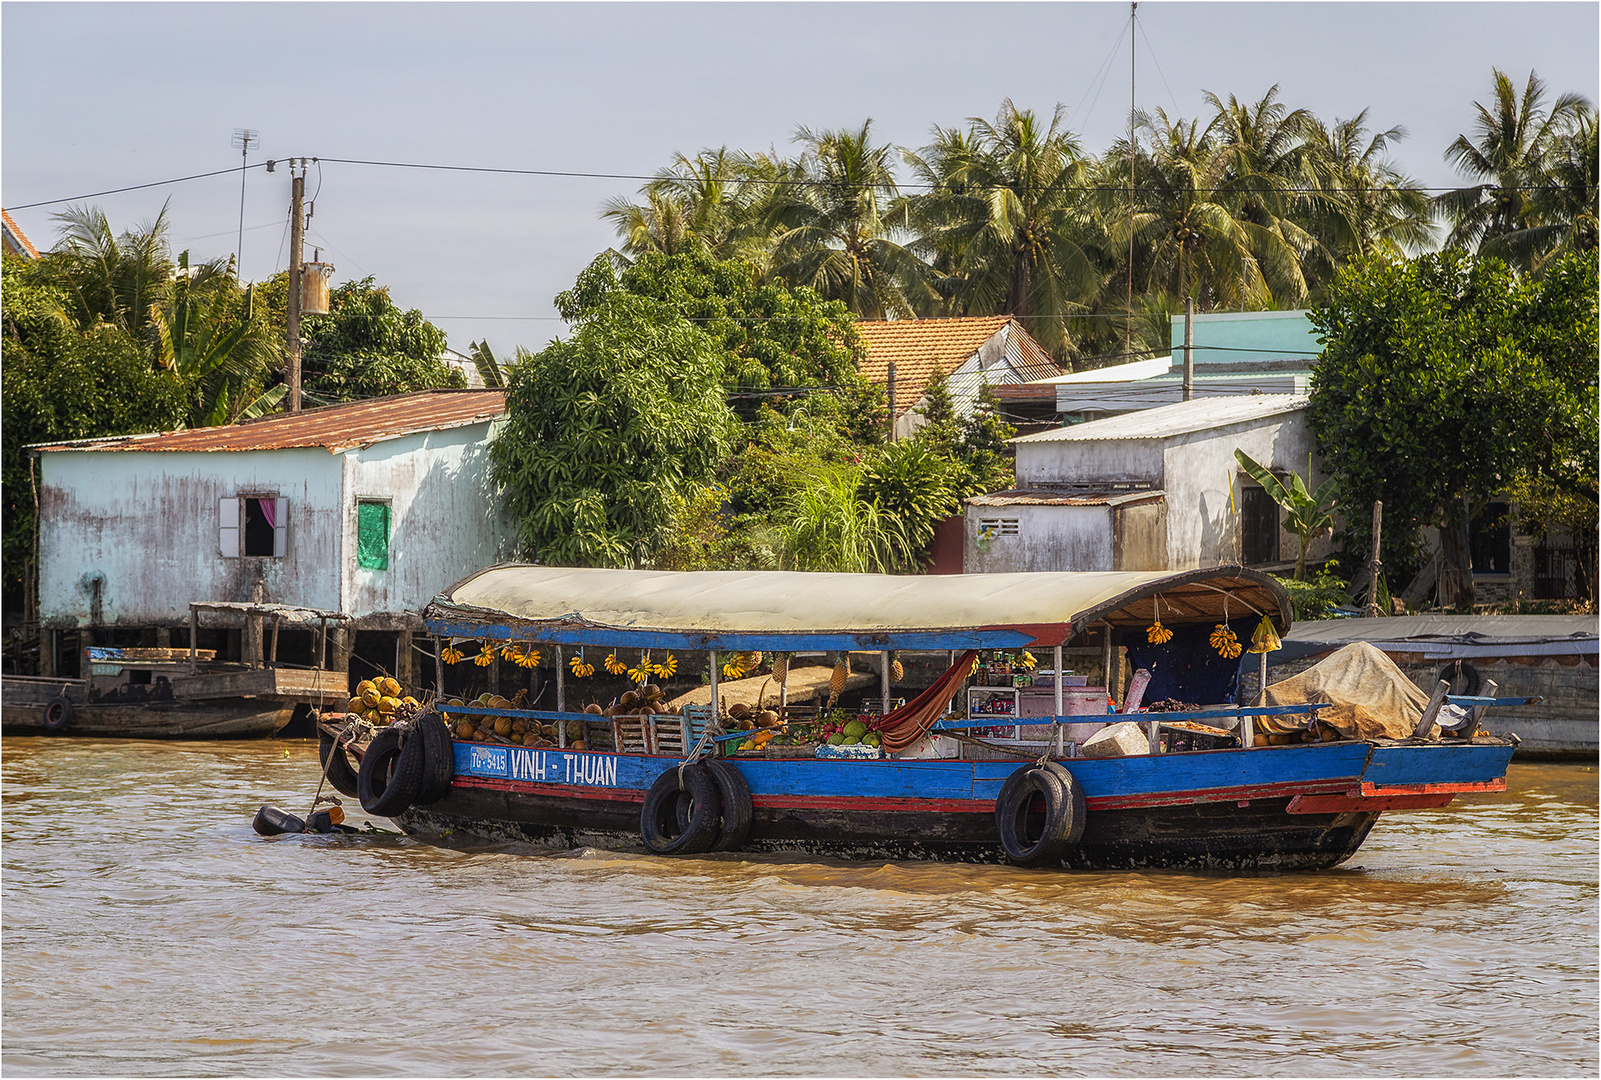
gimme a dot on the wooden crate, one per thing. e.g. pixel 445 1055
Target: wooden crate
pixel 630 735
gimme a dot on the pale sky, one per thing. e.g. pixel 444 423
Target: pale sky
pixel 98 96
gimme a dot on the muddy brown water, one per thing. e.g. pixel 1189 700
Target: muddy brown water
pixel 147 930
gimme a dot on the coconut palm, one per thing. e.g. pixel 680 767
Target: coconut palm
pixel 224 353
pixel 838 229
pixel 1562 216
pixel 1008 218
pixel 660 223
pixel 1506 154
pixel 108 278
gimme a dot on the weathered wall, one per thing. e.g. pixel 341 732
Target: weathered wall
pixel 1202 529
pixel 1048 538
pixel 1139 536
pixel 1076 462
pixel 445 521
pixel 145 525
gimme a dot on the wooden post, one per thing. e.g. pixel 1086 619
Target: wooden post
pixel 1261 679
pixel 297 192
pixel 1487 690
pixel 439 668
pixel 1372 610
pixel 272 654
pixel 561 683
pixel 891 396
pixel 1153 734
pixel 1430 711
pixel 1106 657
pixel 715 710
pixel 194 625
pixel 883 681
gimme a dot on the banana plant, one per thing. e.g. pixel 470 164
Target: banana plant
pixel 1308 514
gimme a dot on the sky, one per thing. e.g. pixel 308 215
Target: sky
pixel 100 96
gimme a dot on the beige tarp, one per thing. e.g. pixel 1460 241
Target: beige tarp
pixel 805 685
pixel 779 602
pixel 1371 698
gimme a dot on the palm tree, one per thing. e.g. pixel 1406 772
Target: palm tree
pixel 1008 218
pixel 706 200
pixel 1363 205
pixel 1562 206
pixel 107 278
pixel 222 352
pixel 657 224
pixel 1506 153
pixel 837 228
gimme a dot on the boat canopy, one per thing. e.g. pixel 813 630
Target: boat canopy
pixel 788 611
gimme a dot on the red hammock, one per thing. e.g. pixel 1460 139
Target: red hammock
pixel 911 721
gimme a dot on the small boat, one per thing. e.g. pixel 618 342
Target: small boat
pixel 1028 768
pixel 182 693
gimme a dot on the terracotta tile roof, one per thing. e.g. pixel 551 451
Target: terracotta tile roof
pixel 921 347
pixel 17 241
pixel 336 428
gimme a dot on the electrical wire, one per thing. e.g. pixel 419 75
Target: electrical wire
pixel 137 187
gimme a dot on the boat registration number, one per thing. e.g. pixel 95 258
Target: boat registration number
pixel 536 766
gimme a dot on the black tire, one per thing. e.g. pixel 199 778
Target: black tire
pixel 271 821
pixel 1075 802
pixel 439 757
pixel 1032 817
pixel 734 794
pixel 391 773
pixel 1462 669
pixel 681 820
pixel 58 714
pixel 336 763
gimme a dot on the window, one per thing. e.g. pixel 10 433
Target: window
pixel 1259 527
pixel 372 534
pixel 1490 539
pixel 253 526
pixel 998 526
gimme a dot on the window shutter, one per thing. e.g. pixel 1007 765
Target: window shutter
pixel 280 531
pixel 228 528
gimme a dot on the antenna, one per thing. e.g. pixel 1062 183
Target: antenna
pixel 1128 316
pixel 243 140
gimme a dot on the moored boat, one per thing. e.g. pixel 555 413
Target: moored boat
pixel 962 772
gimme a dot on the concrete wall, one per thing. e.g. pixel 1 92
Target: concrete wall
pixel 444 518
pixel 1202 529
pixel 1139 535
pixel 1048 538
pixel 1113 460
pixel 145 525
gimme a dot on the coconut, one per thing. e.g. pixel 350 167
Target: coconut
pixel 739 710
pixel 766 718
pixel 464 730
pixel 629 699
pixel 652 692
pixel 577 745
pixel 593 709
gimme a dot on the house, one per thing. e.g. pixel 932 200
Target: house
pixel 16 241
pixel 970 353
pixel 1250 352
pixel 1158 489
pixel 369 509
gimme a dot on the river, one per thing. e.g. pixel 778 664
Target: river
pixel 147 930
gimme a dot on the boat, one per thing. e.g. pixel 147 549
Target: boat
pixel 962 772
pixel 176 693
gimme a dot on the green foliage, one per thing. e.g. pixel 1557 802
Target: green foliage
pixel 62 384
pixel 830 526
pixel 916 487
pixel 1306 513
pixel 213 342
pixel 367 347
pixel 603 431
pixel 1441 380
pixel 1319 598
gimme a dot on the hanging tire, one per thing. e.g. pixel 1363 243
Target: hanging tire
pixel 681 820
pixel 1075 802
pixel 391 773
pixel 1033 817
pixel 336 764
pixel 439 758
pixel 734 795
pixel 58 713
pixel 1450 672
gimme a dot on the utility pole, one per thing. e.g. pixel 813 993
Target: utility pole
pixel 891 396
pixel 297 225
pixel 244 139
pixel 1373 610
pixel 1128 316
pixel 1189 348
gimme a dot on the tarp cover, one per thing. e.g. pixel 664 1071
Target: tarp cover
pixel 1370 697
pixel 800 603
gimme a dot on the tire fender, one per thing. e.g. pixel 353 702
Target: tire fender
pixel 271 821
pixel 1023 842
pixel 439 758
pixel 391 773
pixel 1075 800
pixel 336 764
pixel 681 819
pixel 58 714
pixel 734 794
pixel 1453 668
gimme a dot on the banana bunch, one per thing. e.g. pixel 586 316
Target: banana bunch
pixel 579 668
pixel 527 657
pixel 667 667
pixel 614 665
pixel 1157 634
pixel 1025 659
pixel 734 666
pixel 486 654
pixel 1223 640
pixel 641 674
pixel 451 655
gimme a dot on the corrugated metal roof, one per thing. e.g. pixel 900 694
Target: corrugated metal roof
pixel 920 348
pixel 1022 497
pixel 1450 636
pixel 1180 419
pixel 335 428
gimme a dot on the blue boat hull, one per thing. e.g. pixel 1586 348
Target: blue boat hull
pixel 1275 808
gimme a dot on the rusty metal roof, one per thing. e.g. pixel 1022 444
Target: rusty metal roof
pixel 335 428
pixel 1021 497
pixel 1181 418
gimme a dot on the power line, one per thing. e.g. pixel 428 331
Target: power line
pixel 135 187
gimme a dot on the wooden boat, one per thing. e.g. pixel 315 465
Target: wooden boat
pixel 1033 799
pixel 165 693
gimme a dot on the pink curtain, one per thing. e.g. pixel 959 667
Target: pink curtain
pixel 269 510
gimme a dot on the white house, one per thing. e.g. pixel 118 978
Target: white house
pixel 970 353
pixel 1158 489
pixel 369 509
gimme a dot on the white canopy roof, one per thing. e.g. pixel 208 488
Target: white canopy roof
pixel 770 609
